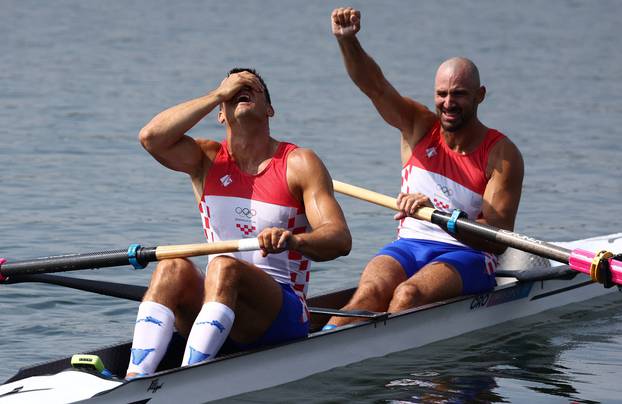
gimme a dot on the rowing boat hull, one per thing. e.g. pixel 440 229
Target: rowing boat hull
pixel 321 351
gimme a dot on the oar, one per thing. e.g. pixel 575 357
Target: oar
pixel 603 266
pixel 135 255
pixel 136 293
pixel 120 290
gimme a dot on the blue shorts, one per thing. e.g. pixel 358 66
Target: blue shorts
pixel 414 254
pixel 288 324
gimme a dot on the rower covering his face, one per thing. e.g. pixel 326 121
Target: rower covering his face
pixel 248 185
pixel 450 161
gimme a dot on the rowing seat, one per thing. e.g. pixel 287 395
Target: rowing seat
pixel 525 267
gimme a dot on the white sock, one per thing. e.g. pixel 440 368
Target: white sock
pixel 209 332
pixel 152 334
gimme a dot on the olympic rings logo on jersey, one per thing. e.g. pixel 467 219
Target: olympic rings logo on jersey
pixel 245 212
pixel 445 190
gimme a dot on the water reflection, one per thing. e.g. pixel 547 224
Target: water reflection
pixel 499 364
pixel 431 387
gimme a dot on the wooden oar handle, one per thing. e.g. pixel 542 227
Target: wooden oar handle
pixel 423 213
pixel 194 250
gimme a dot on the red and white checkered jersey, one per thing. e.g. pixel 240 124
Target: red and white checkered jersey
pixel 451 180
pixel 238 205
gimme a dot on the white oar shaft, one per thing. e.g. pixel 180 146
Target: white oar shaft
pixel 422 213
pixel 194 250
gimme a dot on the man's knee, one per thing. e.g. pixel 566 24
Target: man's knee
pixel 372 288
pixel 406 295
pixel 380 278
pixel 172 276
pixel 371 295
pixel 175 269
pixel 223 269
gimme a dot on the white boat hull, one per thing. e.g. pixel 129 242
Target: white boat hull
pixel 348 345
pixel 249 371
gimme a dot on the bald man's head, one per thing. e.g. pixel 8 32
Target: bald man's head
pixel 457 93
pixel 461 67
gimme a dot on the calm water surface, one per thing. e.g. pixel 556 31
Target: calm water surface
pixel 79 79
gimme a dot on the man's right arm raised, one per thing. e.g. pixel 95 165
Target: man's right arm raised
pixel 164 137
pixel 400 112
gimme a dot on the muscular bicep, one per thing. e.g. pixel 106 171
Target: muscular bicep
pixel 411 118
pixel 502 194
pixel 188 155
pixel 401 112
pixel 310 182
pixel 396 110
pixel 185 155
pixel 314 186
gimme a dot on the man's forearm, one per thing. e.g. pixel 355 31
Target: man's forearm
pixel 170 125
pixel 325 243
pixel 361 68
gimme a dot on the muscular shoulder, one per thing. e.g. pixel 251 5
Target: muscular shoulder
pixel 305 170
pixel 420 121
pixel 209 150
pixel 302 159
pixel 209 147
pixel 505 157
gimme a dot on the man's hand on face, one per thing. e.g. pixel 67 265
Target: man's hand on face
pixel 231 85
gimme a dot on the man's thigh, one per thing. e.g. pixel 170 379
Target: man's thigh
pixel 475 268
pixel 257 299
pixel 384 272
pixel 436 281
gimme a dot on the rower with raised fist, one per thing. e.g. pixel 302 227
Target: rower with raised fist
pixel 450 161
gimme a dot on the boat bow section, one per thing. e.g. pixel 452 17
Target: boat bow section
pixel 63 387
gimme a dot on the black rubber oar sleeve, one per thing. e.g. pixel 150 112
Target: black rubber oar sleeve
pixel 73 262
pixel 504 237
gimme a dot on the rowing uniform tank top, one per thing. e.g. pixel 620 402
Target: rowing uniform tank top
pixel 238 205
pixel 451 180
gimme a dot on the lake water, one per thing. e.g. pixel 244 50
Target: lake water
pixel 78 79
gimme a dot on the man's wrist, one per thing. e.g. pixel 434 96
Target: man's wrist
pixel 216 95
pixel 296 242
pixel 345 38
